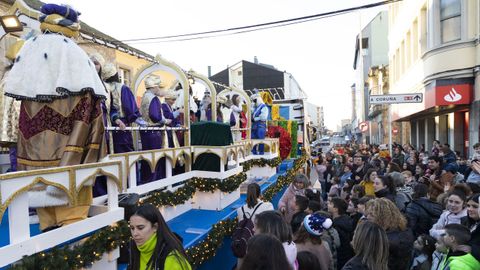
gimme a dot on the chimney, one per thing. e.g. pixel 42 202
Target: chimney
pixel 255 60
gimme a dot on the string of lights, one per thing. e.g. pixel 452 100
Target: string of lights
pixel 254 27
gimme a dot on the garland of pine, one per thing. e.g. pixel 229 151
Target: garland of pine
pixel 111 237
pixel 80 256
pixel 208 247
pixel 274 162
pixel 186 192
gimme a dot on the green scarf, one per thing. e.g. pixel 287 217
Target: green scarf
pixel 146 251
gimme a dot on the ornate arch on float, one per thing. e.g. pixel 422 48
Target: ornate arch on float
pixel 161 64
pixel 242 93
pixel 209 85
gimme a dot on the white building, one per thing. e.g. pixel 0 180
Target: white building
pixel 371 49
pixel 434 50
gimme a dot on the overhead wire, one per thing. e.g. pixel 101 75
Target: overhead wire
pixel 252 28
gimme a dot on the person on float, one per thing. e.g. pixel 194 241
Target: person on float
pixel 221 102
pixel 10 109
pixel 206 107
pixel 175 117
pixel 127 112
pixel 60 121
pixel 100 185
pixel 154 246
pixel 151 110
pixel 259 124
pixel 235 117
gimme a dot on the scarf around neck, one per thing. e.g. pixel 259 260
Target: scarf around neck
pixel 146 251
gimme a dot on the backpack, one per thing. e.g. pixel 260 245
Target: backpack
pixel 242 233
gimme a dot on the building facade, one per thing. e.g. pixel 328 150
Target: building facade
pixel 371 49
pixel 434 50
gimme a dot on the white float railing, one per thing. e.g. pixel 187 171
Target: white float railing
pixel 14 188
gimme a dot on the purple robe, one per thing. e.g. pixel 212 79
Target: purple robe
pixel 123 140
pixel 152 140
pixel 169 114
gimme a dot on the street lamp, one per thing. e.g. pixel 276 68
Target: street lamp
pixel 11 23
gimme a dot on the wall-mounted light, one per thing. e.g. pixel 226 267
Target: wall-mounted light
pixel 11 23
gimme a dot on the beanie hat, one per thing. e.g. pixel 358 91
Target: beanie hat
pixel 315 224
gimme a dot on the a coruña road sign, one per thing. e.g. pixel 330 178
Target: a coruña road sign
pixel 396 98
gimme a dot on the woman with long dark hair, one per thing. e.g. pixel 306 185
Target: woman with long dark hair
pixel 273 223
pixel 265 252
pixel 253 203
pixel 154 246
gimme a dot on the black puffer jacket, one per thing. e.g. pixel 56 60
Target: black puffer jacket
pixel 400 249
pixel 385 193
pixel 344 226
pixel 421 214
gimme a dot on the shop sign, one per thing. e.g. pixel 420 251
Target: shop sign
pixel 453 94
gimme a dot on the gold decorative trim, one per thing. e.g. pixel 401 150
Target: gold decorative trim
pixel 206 152
pixel 50 163
pixel 176 156
pixel 76 149
pixel 3 206
pixel 100 171
pixel 72 177
pixel 234 152
pixel 56 170
pixel 242 93
pixel 95 146
pixel 140 158
pixel 213 91
pixel 161 64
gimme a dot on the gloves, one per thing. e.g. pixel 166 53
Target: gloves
pixel 139 121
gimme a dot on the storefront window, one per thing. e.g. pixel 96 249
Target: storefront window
pixel 450 20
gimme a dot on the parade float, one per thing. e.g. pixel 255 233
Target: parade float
pixel 198 203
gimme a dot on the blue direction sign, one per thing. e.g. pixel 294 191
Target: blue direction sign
pixel 396 98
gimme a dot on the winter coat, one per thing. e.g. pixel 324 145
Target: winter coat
pixel 322 252
pixel 384 193
pixel 355 263
pixel 291 252
pixel 368 186
pixel 459 260
pixel 475 239
pixel 344 226
pixel 447 217
pixel 332 238
pixel 400 247
pixel 421 263
pixel 421 214
pixel 288 201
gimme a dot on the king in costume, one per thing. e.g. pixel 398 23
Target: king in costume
pixel 60 121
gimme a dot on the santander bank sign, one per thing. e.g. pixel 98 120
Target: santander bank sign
pixel 452 94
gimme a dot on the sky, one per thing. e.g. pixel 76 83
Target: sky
pixel 319 54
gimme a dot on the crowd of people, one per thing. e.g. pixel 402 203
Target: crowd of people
pixel 416 209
